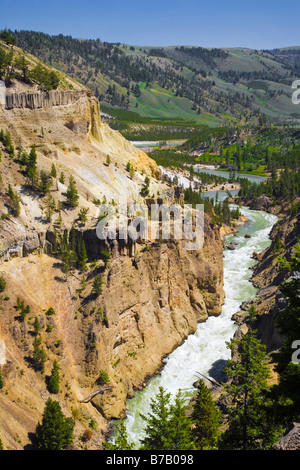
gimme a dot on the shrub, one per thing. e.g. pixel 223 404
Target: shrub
pixel 50 311
pixel 2 284
pixel 103 378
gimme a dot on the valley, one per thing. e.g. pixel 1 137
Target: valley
pixel 97 327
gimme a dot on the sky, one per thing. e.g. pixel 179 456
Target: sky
pixel 264 24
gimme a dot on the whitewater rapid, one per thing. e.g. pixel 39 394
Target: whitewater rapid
pixel 206 351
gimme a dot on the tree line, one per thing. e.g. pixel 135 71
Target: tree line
pixel 284 183
pixel 87 60
pixel 17 66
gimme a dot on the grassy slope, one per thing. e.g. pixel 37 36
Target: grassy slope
pixel 158 102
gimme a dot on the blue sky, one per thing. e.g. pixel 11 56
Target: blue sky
pixel 212 23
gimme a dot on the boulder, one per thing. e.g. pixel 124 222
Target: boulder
pixel 239 317
pixel 257 256
pixel 261 203
pixel 231 246
pixel 31 244
pixel 291 440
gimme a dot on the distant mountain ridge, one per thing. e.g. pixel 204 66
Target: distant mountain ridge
pixel 191 84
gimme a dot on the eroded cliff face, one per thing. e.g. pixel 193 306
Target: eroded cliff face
pixel 66 130
pixel 267 277
pixel 67 123
pixel 149 304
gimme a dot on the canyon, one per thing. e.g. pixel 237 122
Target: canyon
pixel 153 295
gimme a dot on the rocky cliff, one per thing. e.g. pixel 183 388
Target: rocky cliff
pixel 42 99
pixel 267 277
pixel 152 296
pixel 149 304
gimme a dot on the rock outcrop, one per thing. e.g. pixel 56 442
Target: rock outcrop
pixel 267 277
pixel 149 304
pixel 42 99
pixel 262 203
pixel 291 440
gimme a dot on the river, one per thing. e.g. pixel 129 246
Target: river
pixel 185 182
pixel 151 144
pixel 226 174
pixel 206 351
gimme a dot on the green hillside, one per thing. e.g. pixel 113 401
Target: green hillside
pixel 186 86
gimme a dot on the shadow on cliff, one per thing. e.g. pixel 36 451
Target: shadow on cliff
pixel 33 445
pixel 217 370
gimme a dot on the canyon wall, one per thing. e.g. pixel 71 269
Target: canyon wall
pixel 153 292
pixel 150 303
pixel 267 277
pixel 42 99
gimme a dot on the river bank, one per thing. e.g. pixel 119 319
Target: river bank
pixel 184 179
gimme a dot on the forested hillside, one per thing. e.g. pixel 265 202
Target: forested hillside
pixel 176 86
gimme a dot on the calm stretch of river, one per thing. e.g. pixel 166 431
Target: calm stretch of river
pixel 206 351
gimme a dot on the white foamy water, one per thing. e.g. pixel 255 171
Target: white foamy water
pixel 206 351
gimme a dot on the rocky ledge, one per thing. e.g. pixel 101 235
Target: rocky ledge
pixel 42 99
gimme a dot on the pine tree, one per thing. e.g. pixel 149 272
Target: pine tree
pixel 56 431
pixel 121 441
pixel 97 285
pixel 277 245
pixel 132 172
pixel 7 70
pixel 247 387
pixel 1 380
pixel 36 326
pixel 82 214
pixel 47 80
pixel 31 168
pixel 73 242
pixel 157 422
pixel 287 359
pixel 24 309
pixel 206 418
pixel 62 178
pixel 167 427
pixel 50 311
pixel 23 65
pixel 45 182
pixel 179 435
pixel 54 379
pixel 15 202
pixel 72 193
pixel 54 242
pixel 53 172
pixel 49 207
pixel 66 254
pixel 8 38
pixel 81 253
pixel 39 356
pixel 106 256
